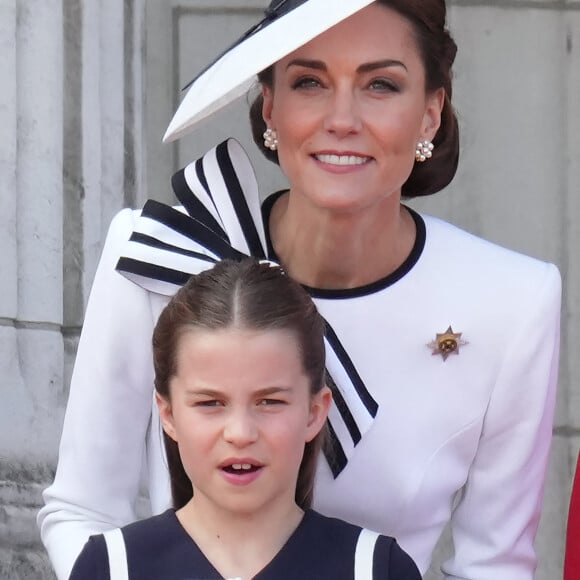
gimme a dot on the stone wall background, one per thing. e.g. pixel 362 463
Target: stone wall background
pixel 88 87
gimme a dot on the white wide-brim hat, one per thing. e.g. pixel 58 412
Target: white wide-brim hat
pixel 286 26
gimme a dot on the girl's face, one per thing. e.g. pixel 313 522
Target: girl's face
pixel 241 413
pixel 349 108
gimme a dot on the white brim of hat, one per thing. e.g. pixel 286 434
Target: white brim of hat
pixel 235 72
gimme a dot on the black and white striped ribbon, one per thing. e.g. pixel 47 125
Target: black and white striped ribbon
pixel 220 218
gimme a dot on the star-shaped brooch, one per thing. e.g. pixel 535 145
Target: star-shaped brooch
pixel 447 343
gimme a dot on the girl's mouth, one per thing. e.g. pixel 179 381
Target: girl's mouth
pixel 241 468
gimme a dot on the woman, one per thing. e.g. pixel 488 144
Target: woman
pixel 239 380
pixel 442 348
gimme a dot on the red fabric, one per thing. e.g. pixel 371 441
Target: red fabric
pixel 572 561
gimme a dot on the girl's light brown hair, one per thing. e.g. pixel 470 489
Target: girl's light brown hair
pixel 250 295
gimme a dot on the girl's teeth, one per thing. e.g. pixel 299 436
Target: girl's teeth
pixel 245 466
pixel 342 159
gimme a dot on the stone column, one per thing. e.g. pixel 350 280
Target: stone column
pixel 31 351
pixel 70 157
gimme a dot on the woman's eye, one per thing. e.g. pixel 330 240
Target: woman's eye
pixel 306 83
pixel 383 86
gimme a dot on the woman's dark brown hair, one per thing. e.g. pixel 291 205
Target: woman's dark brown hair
pixel 250 295
pixel 438 50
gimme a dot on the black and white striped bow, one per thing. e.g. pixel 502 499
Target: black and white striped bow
pixel 221 218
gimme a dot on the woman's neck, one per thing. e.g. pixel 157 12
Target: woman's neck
pixel 327 249
pixel 239 545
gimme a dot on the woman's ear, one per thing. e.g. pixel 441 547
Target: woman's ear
pixel 432 117
pixel 319 407
pixel 166 415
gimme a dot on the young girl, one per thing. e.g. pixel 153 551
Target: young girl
pixel 239 376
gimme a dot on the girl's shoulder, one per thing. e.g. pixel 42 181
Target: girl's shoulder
pixel 143 547
pixel 153 532
pixel 348 546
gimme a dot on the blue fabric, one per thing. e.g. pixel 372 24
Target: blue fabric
pixel 320 548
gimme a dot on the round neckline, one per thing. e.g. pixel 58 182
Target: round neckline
pixel 365 290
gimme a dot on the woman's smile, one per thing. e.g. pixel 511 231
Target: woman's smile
pixel 342 159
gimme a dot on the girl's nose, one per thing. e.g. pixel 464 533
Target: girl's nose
pixel 342 116
pixel 240 428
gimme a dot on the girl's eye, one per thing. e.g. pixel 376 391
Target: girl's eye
pixel 269 402
pixel 306 83
pixel 383 85
pixel 209 403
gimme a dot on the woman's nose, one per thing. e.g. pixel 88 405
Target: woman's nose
pixel 342 115
pixel 240 428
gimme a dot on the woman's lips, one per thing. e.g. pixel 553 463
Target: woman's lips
pixel 341 159
pixel 341 163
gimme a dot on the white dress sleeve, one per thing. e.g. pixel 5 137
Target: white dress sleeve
pixel 496 519
pixel 108 413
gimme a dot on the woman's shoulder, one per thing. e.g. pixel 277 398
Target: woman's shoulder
pixel 456 249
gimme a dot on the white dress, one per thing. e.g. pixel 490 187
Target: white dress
pixel 464 439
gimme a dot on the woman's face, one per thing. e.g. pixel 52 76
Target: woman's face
pixel 241 413
pixel 349 108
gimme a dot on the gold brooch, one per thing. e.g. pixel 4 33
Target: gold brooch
pixel 447 343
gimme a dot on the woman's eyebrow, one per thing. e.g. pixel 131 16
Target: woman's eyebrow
pixel 386 63
pixel 363 68
pixel 316 64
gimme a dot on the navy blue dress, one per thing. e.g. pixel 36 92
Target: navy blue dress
pixel 158 548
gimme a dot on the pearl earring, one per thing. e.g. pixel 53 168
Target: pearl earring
pixel 424 151
pixel 270 139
